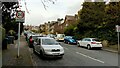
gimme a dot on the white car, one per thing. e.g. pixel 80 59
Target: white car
pixel 90 43
pixel 46 46
pixel 60 37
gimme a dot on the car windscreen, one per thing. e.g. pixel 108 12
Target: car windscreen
pixel 61 35
pixel 72 40
pixel 49 42
pixel 69 37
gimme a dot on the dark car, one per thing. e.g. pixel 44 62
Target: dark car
pixel 70 40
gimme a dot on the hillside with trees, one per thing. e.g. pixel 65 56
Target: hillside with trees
pixel 98 19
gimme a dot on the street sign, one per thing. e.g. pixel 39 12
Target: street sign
pixel 117 28
pixel 20 16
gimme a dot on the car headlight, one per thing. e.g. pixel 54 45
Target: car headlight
pixel 62 49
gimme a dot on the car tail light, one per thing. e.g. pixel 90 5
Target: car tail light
pixel 93 42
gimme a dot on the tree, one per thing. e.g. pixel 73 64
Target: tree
pixel 69 30
pixel 112 19
pixel 97 19
pixel 91 17
pixel 8 16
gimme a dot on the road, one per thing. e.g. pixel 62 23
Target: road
pixel 78 56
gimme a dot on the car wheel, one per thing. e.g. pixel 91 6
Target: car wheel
pixel 88 47
pixel 41 54
pixel 68 42
pixel 64 41
pixel 78 44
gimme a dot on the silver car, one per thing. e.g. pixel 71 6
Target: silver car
pixel 46 46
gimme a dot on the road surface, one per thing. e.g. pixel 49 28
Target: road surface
pixel 78 56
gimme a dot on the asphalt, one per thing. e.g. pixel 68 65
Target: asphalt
pixel 78 57
pixel 10 55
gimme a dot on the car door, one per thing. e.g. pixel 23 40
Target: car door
pixel 35 44
pixel 82 42
pixel 86 42
pixel 38 45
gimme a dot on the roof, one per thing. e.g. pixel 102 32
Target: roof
pixel 68 17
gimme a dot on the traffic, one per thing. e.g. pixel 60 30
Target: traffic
pixel 49 45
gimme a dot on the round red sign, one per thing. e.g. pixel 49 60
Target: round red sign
pixel 20 14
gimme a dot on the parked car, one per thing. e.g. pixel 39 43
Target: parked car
pixel 28 35
pixel 31 39
pixel 46 46
pixel 90 43
pixel 70 40
pixel 51 36
pixel 60 37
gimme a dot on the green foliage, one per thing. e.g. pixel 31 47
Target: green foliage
pixel 69 30
pixel 99 20
pixel 2 35
pixel 8 16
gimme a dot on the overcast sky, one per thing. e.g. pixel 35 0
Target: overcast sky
pixel 38 15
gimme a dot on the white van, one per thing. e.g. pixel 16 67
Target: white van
pixel 60 37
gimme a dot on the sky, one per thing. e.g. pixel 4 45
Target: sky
pixel 38 15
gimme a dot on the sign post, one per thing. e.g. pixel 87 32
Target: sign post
pixel 18 40
pixel 19 18
pixel 118 43
pixel 118 30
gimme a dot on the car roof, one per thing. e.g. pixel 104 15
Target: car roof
pixel 68 36
pixel 45 38
pixel 90 38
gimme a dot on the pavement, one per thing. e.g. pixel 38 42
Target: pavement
pixel 9 55
pixel 110 49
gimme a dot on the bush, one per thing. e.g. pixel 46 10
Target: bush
pixel 2 36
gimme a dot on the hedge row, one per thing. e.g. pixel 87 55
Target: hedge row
pixel 2 33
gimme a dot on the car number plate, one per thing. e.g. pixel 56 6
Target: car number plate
pixel 55 53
